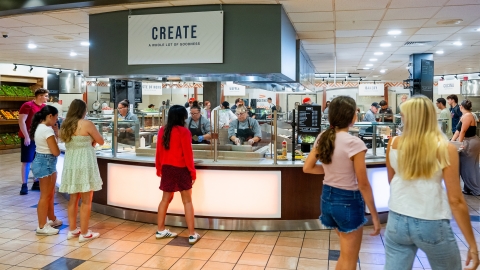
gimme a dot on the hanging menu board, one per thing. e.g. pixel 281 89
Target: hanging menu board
pixel 309 120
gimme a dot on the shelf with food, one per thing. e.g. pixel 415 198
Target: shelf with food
pixel 8 114
pixel 9 141
pixel 8 122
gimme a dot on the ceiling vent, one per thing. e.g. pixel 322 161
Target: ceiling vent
pixel 418 43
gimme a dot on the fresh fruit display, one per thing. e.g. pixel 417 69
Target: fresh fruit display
pixel 7 115
pixel 7 139
pixel 16 138
pixel 1 142
pixel 1 117
pixel 15 114
pixel 11 91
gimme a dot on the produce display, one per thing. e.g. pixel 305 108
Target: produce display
pixel 12 91
pixel 7 139
pixel 16 138
pixel 8 115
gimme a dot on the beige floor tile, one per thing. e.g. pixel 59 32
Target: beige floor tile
pixel 31 236
pixel 289 242
pixel 58 250
pixel 22 268
pixel 247 267
pixel 152 239
pixel 147 248
pixel 311 264
pixel 371 258
pixel 198 254
pixel 124 246
pixel 100 243
pixel 335 245
pixel 372 248
pixel 121 267
pixel 160 262
pixel 83 253
pixel 272 233
pixel 264 239
pixel 332 265
pixel 319 235
pixel 14 258
pixel 13 233
pixel 36 248
pixel 4 266
pixel 218 266
pixel 240 236
pixel 208 243
pixel 226 256
pixel 254 259
pixel 4 240
pixel 365 266
pixel 105 225
pixel 137 236
pixel 282 262
pixel 4 252
pixel 114 234
pixel 172 251
pixel 313 253
pixel 53 239
pixel 183 264
pixel 90 265
pixel 147 228
pixel 38 261
pixel 108 256
pixel 185 233
pixel 13 245
pixel 259 248
pixel 314 243
pixel 134 259
pixel 216 235
pixel 73 243
pixel 128 227
pixel 293 234
pixel 286 251
pixel 233 246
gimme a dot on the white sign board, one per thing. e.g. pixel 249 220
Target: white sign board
pixel 331 94
pixel 448 87
pixel 152 89
pixel 233 90
pixel 371 89
pixel 177 38
pixel 262 96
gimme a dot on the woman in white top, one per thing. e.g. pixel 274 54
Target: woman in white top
pixel 44 166
pixel 225 115
pixel 420 210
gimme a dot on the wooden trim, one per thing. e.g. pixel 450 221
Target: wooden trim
pixel 19 79
pixel 385 93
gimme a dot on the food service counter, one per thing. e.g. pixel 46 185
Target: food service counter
pixel 227 195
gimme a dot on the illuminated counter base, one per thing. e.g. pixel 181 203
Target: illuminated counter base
pixel 226 197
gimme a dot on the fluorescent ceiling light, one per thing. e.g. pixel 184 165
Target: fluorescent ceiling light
pixel 372 59
pixel 385 44
pixel 382 71
pixel 369 65
pixel 85 43
pixel 32 46
pixel 73 54
pixel 457 43
pixel 439 52
pixel 478 29
pixel 378 53
pixel 394 32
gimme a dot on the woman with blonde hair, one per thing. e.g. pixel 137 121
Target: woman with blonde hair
pixel 80 177
pixel 420 210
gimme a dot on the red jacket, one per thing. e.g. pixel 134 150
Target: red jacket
pixel 180 153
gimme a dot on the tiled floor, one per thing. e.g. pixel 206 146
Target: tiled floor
pixel 132 245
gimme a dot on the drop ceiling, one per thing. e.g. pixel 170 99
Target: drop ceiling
pixel 336 33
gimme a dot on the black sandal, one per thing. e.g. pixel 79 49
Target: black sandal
pixel 467 192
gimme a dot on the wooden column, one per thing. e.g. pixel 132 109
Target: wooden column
pixel 385 93
pixel 195 93
pixel 324 101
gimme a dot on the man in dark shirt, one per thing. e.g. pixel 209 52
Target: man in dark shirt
pixel 384 109
pixel 452 100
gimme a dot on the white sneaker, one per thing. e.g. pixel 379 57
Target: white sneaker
pixel 192 239
pixel 87 237
pixel 73 234
pixel 165 234
pixel 46 230
pixel 55 223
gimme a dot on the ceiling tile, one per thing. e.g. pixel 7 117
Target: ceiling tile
pixel 437 37
pixel 411 13
pixel 461 12
pixel 68 29
pixel 39 19
pixel 416 3
pixel 306 5
pixel 307 42
pixel 343 40
pixel 11 22
pixel 95 10
pixel 71 17
pixel 389 39
pixel 354 33
pixel 318 47
pixel 360 15
pixel 352 45
pixel 402 24
pixel 39 31
pixel 357 25
pixel 309 27
pixel 359 5
pixel 148 5
pixel 322 34
pixel 28 39
pixel 461 2
pixel 13 32
pixel 405 32
pixel 311 16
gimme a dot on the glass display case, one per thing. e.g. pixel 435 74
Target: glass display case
pixel 125 139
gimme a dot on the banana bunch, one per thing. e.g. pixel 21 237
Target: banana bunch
pixel 7 115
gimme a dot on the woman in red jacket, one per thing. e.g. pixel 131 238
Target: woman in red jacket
pixel 174 163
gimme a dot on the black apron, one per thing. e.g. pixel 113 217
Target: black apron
pixel 245 134
pixel 196 132
pixel 126 137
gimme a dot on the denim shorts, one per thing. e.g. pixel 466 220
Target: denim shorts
pixel 342 209
pixel 44 165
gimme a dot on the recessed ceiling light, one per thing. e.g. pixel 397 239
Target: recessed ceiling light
pixel 32 46
pixel 468 68
pixel 85 43
pixel 366 68
pixel 73 54
pixel 439 52
pixel 478 29
pixel 369 65
pixel 382 71
pixel 394 32
pixel 457 43
pixel 385 44
pixel 378 53
pixel 372 59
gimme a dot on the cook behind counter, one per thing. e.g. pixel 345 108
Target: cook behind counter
pixel 249 123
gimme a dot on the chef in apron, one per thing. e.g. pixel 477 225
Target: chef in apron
pixel 126 131
pixel 198 125
pixel 244 129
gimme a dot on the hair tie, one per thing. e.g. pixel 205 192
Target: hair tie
pixel 332 127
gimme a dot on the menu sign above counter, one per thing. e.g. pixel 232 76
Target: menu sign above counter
pixel 176 38
pixel 309 119
pixel 449 87
pixel 152 89
pixel 371 89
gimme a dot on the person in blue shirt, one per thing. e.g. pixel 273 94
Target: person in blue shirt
pixel 452 100
pixel 369 117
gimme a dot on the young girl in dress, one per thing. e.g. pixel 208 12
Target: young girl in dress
pixel 80 177
pixel 346 189
pixel 44 166
pixel 174 163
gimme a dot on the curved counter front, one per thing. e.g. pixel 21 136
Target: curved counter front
pixel 227 195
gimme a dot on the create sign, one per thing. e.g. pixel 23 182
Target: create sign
pixel 449 87
pixel 177 38
pixel 152 89
pixel 371 89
